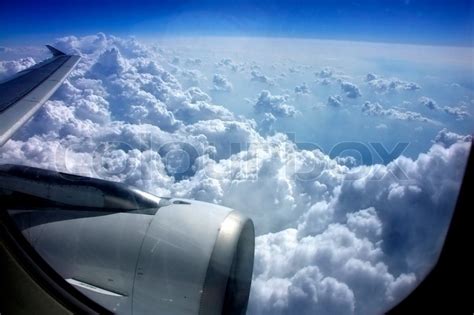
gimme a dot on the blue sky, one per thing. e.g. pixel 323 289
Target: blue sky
pixel 421 22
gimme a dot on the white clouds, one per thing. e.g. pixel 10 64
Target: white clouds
pixel 370 77
pixel 316 219
pixel 447 138
pixel 225 62
pixel 85 45
pixel 325 73
pixel 309 286
pixel 9 68
pixel 223 134
pixel 274 104
pixel 333 237
pixel 109 63
pixel 398 289
pixel 365 223
pixel 334 101
pixel 197 95
pixel 221 83
pixel 320 273
pixel 460 112
pixel 324 81
pixel 375 109
pixel 232 65
pixel 350 89
pixel 302 89
pixel 382 85
pixel 428 102
pixel 192 77
pixel 266 124
pixel 259 77
pixel 189 108
pixel 311 293
pixel 426 182
pixel 60 120
pixel 352 250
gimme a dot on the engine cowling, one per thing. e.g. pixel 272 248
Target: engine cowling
pixel 130 251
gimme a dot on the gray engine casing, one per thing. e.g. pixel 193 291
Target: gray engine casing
pixel 142 255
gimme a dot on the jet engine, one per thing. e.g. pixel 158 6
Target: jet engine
pixel 130 251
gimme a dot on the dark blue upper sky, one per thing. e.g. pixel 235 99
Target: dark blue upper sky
pixel 407 21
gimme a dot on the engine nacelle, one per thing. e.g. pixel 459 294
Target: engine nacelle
pixel 130 251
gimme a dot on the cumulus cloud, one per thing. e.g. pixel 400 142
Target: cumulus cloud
pixel 459 112
pixel 274 104
pixel 336 241
pixel 109 63
pixel 328 75
pixel 266 124
pixel 230 64
pixel 347 160
pixel 350 89
pixel 375 109
pixel 222 134
pixel 225 62
pixel 428 102
pixel 9 68
pixel 323 82
pixel 384 85
pixel 370 77
pixel 221 83
pixel 332 236
pixel 448 138
pixel 192 77
pixel 259 77
pixel 302 89
pixel 325 73
pixel 94 44
pixel 335 101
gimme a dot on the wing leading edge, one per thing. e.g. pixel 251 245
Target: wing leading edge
pixel 23 95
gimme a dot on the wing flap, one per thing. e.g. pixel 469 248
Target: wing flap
pixel 23 95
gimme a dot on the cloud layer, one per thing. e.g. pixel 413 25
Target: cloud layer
pixel 274 104
pixel 333 237
pixel 384 85
pixel 375 109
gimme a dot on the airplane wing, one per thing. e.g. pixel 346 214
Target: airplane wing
pixel 22 95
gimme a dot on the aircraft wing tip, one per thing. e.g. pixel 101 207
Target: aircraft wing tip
pixel 55 51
